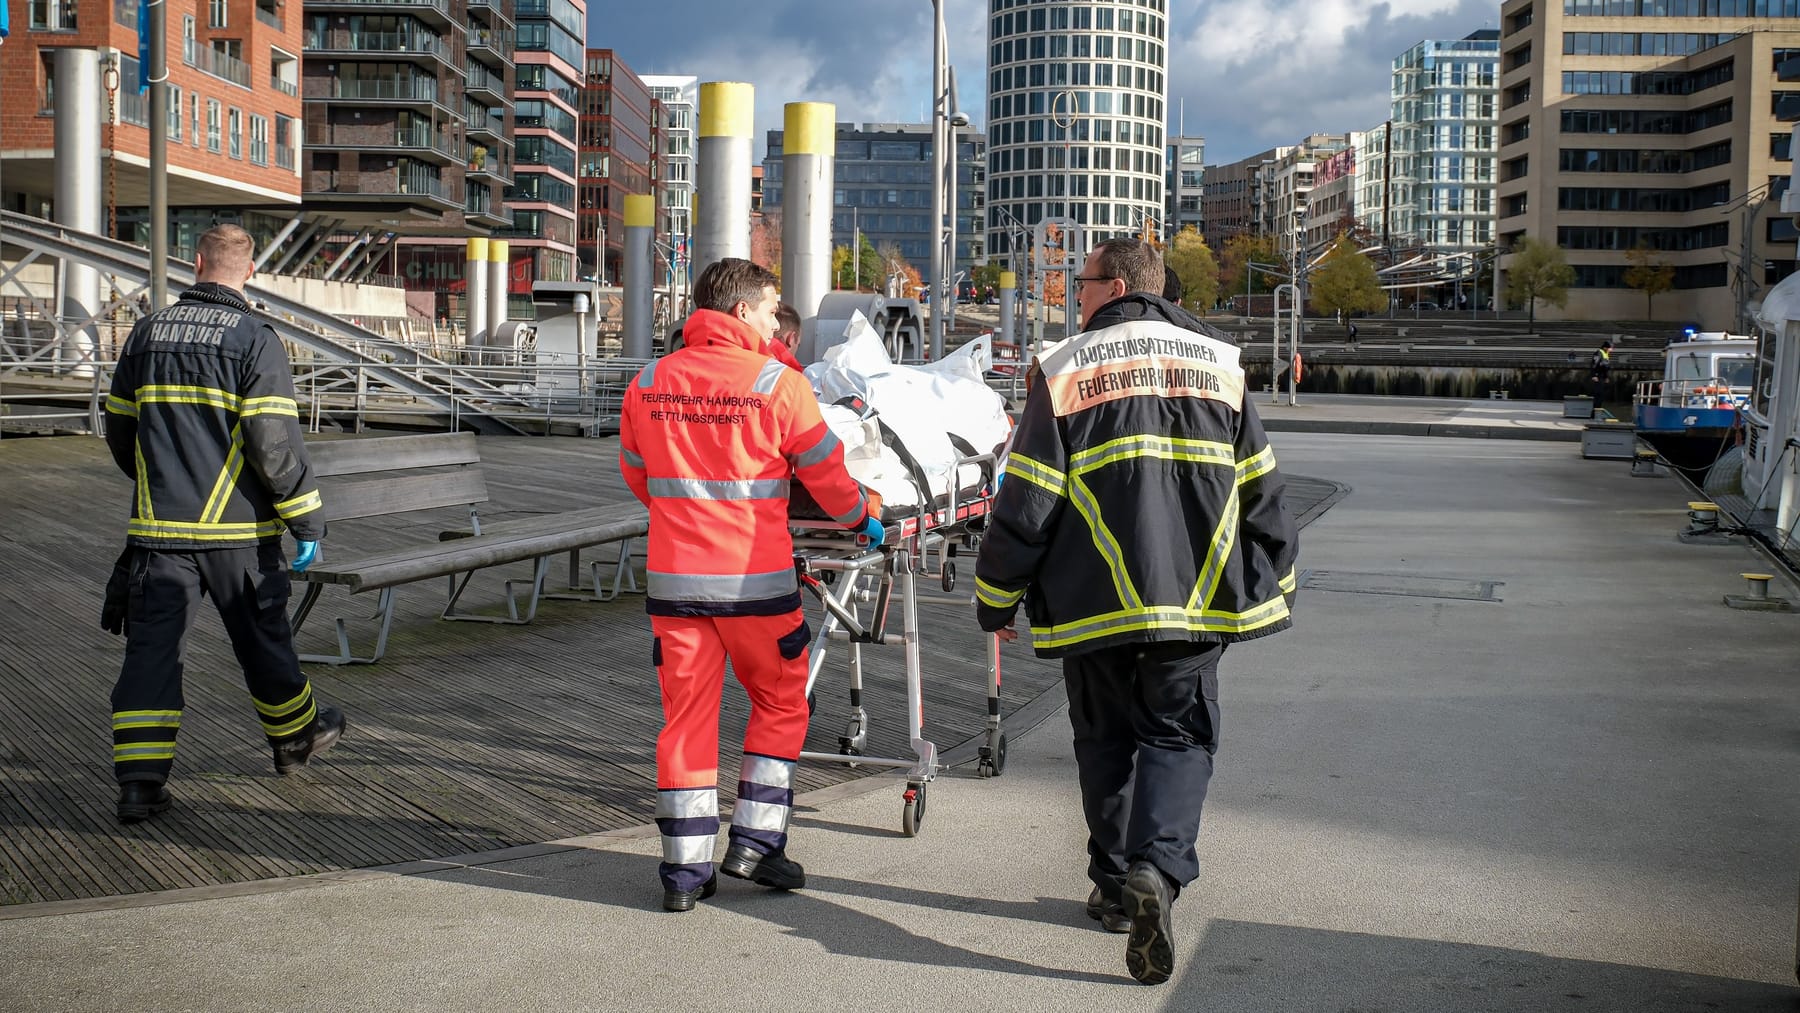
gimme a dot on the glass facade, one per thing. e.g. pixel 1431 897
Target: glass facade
pixel 881 176
pixel 1445 98
pixel 1075 116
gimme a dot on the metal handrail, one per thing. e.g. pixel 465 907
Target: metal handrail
pixel 1702 392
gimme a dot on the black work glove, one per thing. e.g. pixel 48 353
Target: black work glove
pixel 115 608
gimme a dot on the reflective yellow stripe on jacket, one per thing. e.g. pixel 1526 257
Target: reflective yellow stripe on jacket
pixel 302 504
pixel 1159 617
pixel 202 531
pixel 170 393
pixel 1161 447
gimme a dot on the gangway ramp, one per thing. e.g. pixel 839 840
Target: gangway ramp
pixel 453 389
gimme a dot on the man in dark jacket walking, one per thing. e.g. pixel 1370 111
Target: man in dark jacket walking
pixel 1142 527
pixel 201 417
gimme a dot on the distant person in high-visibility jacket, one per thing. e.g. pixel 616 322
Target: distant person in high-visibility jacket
pixel 710 436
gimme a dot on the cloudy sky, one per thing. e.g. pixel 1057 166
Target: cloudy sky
pixel 1255 73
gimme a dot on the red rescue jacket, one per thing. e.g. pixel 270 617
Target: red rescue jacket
pixel 709 437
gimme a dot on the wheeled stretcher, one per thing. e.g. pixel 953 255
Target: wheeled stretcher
pixel 857 586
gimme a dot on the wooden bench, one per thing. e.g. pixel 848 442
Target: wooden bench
pixel 401 474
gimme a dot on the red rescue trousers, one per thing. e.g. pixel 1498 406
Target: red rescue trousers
pixel 768 655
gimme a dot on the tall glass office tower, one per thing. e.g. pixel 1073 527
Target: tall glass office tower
pixel 1075 116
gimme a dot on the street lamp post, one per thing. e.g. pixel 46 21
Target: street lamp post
pixel 1751 202
pixel 939 160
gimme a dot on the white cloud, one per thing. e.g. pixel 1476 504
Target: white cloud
pixel 1255 73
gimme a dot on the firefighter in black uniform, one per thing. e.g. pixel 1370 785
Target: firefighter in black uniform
pixel 201 416
pixel 1141 524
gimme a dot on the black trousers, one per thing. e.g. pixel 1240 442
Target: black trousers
pixel 1146 721
pixel 249 587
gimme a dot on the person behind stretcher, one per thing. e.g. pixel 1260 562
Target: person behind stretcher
pixel 710 436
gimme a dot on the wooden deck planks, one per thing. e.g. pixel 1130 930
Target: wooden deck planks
pixel 467 737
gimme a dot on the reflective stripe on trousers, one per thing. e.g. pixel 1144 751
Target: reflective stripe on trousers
pixel 768 655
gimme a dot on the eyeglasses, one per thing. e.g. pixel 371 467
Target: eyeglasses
pixel 1079 280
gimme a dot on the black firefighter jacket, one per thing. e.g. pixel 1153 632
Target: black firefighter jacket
pixel 1141 500
pixel 202 417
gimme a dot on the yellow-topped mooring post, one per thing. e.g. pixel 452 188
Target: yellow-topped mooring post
pixel 809 151
pixel 475 292
pixel 723 174
pixel 636 339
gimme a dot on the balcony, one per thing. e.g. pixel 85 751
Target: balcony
pixel 483 209
pixel 495 42
pixel 491 125
pixel 493 170
pixel 407 91
pixel 405 186
pixel 219 64
pixel 435 12
pixel 283 86
pixel 422 45
pixel 492 9
pixel 418 141
pixel 269 16
pixel 486 85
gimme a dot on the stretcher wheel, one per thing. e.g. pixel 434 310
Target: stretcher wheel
pixel 949 576
pixel 912 813
pixel 993 757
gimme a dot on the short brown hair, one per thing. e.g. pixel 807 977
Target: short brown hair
pixel 1132 261
pixel 787 319
pixel 226 248
pixel 730 281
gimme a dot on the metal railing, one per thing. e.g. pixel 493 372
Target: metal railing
pixel 269 17
pixel 418 89
pixel 286 87
pixel 1702 392
pixel 219 64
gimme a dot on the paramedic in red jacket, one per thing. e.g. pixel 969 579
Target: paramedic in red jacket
pixel 710 436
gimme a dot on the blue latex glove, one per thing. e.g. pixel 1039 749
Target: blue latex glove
pixel 304 555
pixel 873 531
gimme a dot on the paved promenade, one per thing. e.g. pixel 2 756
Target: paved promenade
pixel 1515 756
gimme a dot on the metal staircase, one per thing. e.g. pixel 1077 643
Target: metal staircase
pixel 462 393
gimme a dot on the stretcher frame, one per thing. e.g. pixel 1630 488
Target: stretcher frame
pixel 857 585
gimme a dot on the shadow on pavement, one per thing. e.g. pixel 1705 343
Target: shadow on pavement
pixel 627 880
pixel 1250 966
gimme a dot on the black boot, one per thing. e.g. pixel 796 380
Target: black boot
pixel 327 726
pixel 774 870
pixel 1149 900
pixel 140 800
pixel 1109 913
pixel 683 900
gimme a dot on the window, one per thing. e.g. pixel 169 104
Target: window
pixel 259 140
pixel 235 119
pixel 217 12
pixel 174 114
pixel 284 141
pixel 213 110
pixel 194 108
pixel 52 15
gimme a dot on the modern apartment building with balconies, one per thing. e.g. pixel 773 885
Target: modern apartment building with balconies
pixel 552 47
pixel 408 115
pixel 234 112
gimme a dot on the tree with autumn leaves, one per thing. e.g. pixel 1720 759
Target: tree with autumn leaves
pixel 1193 262
pixel 1345 283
